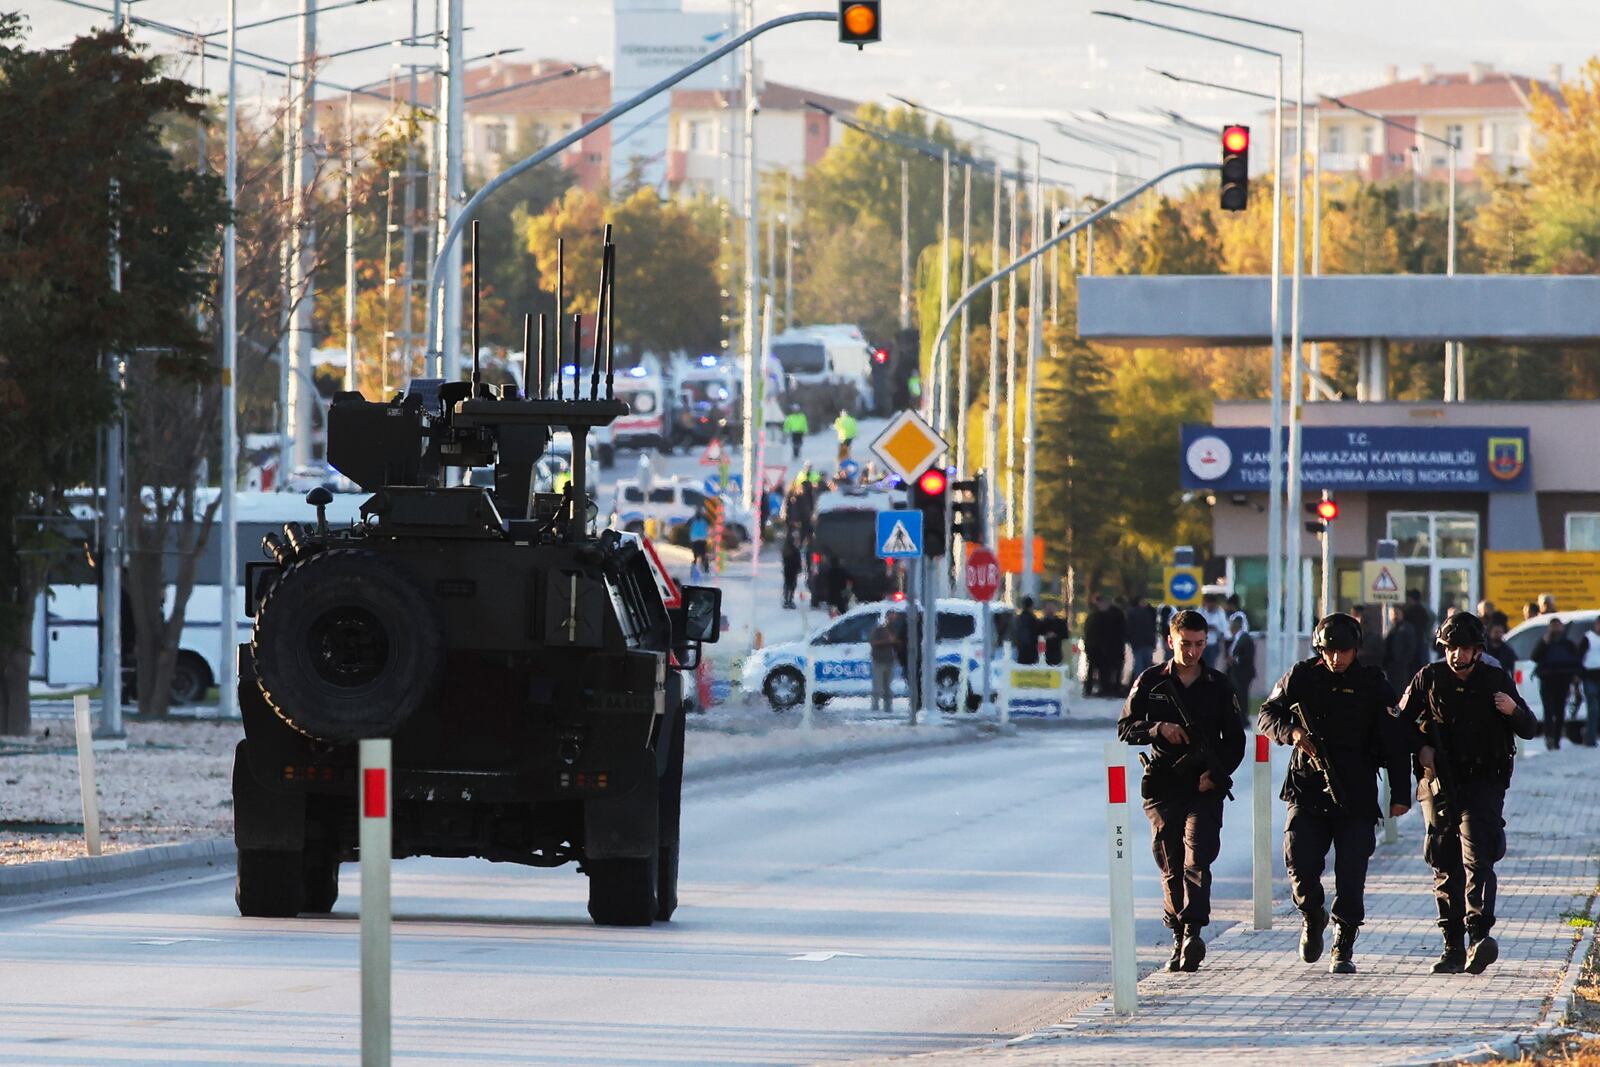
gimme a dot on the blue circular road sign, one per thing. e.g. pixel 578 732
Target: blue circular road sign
pixel 1182 587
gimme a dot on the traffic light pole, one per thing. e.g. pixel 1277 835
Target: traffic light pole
pixel 1044 246
pixel 1328 603
pixel 555 148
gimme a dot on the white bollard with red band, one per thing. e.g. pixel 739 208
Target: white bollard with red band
pixel 1261 834
pixel 1119 862
pixel 377 849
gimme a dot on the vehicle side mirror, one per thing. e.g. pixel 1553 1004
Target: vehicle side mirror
pixel 702 611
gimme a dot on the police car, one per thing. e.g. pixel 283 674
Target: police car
pixel 836 661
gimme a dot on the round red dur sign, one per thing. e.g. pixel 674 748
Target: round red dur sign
pixel 983 573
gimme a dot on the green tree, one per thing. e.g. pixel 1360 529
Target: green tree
pixel 852 275
pixel 1078 464
pixel 668 296
pixel 89 114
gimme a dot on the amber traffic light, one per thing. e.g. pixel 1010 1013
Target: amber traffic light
pixel 859 22
pixel 1235 167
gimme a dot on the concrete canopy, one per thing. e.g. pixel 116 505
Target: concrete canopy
pixel 1178 311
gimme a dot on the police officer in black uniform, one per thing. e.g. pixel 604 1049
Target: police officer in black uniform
pixel 1189 716
pixel 1349 708
pixel 1468 716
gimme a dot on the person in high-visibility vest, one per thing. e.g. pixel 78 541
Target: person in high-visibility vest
pixel 845 426
pixel 796 426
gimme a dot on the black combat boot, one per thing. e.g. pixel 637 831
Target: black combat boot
pixel 1454 957
pixel 1311 935
pixel 1344 948
pixel 1484 951
pixel 1176 962
pixel 1194 949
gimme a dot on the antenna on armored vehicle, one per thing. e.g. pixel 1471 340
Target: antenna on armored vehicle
pixel 561 309
pixel 611 320
pixel 477 370
pixel 577 353
pixel 544 367
pixel 600 314
pixel 527 357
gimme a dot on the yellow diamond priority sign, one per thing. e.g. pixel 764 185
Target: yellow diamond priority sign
pixel 908 446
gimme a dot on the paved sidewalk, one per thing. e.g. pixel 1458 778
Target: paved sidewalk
pixel 1255 1002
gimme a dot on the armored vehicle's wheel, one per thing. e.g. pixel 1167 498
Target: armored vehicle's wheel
pixel 622 892
pixel 346 646
pixel 268 884
pixel 190 679
pixel 945 689
pixel 320 876
pixel 785 688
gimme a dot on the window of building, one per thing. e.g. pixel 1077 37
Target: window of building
pixel 1583 531
pixel 1456 134
pixel 494 138
pixel 1486 137
pixel 700 137
pixel 1439 552
pixel 1369 139
pixel 1336 140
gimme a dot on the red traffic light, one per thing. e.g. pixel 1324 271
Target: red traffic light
pixel 880 355
pixel 1327 510
pixel 1236 138
pixel 932 481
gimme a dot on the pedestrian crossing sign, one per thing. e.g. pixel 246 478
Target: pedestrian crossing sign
pixel 1380 580
pixel 899 534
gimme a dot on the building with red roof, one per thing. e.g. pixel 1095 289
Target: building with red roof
pixel 1484 112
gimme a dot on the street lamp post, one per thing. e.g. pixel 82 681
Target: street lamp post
pixel 1292 504
pixel 1454 376
pixel 1277 617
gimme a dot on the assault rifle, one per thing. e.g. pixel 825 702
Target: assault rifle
pixel 1322 762
pixel 1440 780
pixel 1202 752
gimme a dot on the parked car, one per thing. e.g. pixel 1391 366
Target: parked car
pixel 836 661
pixel 1522 640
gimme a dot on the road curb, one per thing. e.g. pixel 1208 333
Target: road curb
pixel 26 879
pixel 728 766
pixel 30 879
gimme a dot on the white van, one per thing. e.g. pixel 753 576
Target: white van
pixel 66 646
pixel 837 358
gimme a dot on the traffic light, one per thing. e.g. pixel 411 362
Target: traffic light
pixel 858 22
pixel 1235 167
pixel 967 509
pixel 1325 510
pixel 928 495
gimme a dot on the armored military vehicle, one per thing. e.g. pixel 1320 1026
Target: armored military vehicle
pixel 525 666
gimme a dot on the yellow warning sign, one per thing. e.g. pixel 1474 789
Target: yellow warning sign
pixel 908 445
pixel 1383 582
pixel 1037 678
pixel 1511 579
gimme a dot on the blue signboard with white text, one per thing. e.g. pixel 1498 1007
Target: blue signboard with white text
pixel 1371 459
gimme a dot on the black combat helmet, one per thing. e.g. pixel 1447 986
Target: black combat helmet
pixel 1461 630
pixel 1337 633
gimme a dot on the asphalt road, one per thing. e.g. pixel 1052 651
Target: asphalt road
pixel 963 890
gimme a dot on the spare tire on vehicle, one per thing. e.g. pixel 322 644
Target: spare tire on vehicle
pixel 346 646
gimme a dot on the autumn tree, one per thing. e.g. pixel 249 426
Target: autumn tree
pixel 668 298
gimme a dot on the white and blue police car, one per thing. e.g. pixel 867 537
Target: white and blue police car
pixel 836 660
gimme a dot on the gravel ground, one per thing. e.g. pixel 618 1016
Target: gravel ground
pixel 173 781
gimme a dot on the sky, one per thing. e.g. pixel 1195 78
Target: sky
pixel 1014 63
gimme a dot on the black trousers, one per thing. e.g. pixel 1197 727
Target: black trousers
pixel 1185 836
pixel 796 440
pixel 1462 850
pixel 1307 836
pixel 1553 695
